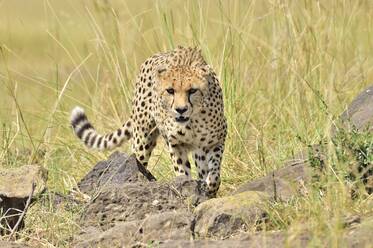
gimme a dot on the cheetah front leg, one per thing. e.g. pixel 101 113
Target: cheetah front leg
pixel 200 160
pixel 214 158
pixel 179 156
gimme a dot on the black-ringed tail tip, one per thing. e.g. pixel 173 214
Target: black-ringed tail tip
pixel 84 130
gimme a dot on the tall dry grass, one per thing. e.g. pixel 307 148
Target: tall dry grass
pixel 287 68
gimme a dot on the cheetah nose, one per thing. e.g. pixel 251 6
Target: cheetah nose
pixel 181 110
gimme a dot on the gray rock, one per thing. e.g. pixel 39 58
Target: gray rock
pixel 127 206
pixel 17 182
pixel 223 217
pixel 15 188
pixel 131 201
pixel 122 190
pixel 118 169
pixel 359 114
pixel 151 230
pixel 284 183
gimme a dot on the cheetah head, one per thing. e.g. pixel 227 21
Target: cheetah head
pixel 182 90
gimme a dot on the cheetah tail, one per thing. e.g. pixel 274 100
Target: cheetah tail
pixel 87 133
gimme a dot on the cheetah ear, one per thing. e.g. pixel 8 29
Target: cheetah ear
pixel 198 50
pixel 207 72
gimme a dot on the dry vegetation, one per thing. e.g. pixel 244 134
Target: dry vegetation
pixel 288 68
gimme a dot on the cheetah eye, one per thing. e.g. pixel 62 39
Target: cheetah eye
pixel 192 91
pixel 170 91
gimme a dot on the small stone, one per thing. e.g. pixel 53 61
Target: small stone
pixel 15 188
pixel 17 182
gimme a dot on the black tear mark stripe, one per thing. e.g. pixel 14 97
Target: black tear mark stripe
pixel 191 104
pixel 190 101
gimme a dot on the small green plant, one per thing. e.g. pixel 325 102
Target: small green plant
pixel 354 148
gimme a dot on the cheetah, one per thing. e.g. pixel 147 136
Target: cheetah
pixel 178 96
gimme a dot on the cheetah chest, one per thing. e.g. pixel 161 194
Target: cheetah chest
pixel 196 134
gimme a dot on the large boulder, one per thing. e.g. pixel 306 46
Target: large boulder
pixel 16 186
pixel 119 168
pixel 223 217
pixel 359 114
pixel 17 182
pixel 290 180
pixel 122 190
pixel 130 201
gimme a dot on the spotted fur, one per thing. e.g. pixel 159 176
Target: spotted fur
pixel 177 96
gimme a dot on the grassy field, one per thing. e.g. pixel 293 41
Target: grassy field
pixel 287 68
